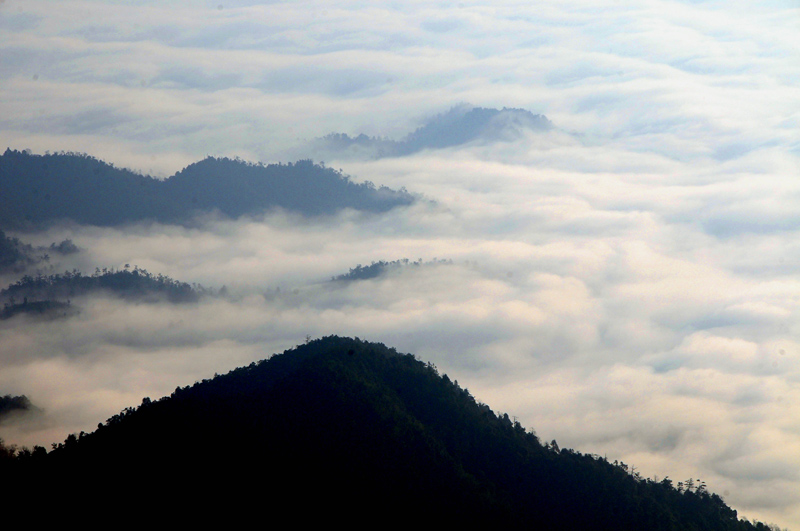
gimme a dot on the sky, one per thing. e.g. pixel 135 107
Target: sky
pixel 625 284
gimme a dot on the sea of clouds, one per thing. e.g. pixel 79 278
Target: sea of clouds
pixel 626 284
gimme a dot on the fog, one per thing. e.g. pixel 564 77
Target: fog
pixel 625 284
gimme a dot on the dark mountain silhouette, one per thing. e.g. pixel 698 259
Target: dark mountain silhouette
pixel 344 431
pixel 42 189
pixel 458 126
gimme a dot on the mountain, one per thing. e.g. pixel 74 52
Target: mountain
pixel 341 430
pixel 458 126
pixel 50 296
pixel 40 294
pixel 10 405
pixel 49 309
pixel 16 256
pixel 40 189
pixel 464 124
pixel 382 267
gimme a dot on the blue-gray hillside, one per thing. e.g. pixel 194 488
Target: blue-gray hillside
pixel 382 267
pixel 40 189
pixel 132 284
pixel 458 126
pixel 17 256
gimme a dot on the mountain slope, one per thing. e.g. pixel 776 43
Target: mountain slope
pixel 135 284
pixel 17 257
pixel 41 189
pixel 458 126
pixel 344 429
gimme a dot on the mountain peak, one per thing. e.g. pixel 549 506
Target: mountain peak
pixel 347 427
pixel 460 125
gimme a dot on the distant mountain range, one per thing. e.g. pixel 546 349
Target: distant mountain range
pixel 343 430
pixel 458 126
pixel 37 190
pixel 127 283
pixel 52 295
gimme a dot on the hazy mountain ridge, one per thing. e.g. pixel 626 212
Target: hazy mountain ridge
pixel 355 429
pixel 10 405
pixel 133 284
pixel 458 126
pixel 44 308
pixel 382 267
pixel 17 256
pixel 41 189
pixel 52 296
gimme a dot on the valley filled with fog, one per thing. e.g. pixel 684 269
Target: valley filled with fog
pixel 607 250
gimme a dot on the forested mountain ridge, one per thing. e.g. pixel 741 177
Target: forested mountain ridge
pixel 128 283
pixel 17 256
pixel 12 404
pixel 51 295
pixel 341 429
pixel 382 267
pixel 41 189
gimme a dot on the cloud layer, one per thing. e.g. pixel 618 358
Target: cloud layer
pixel 626 285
